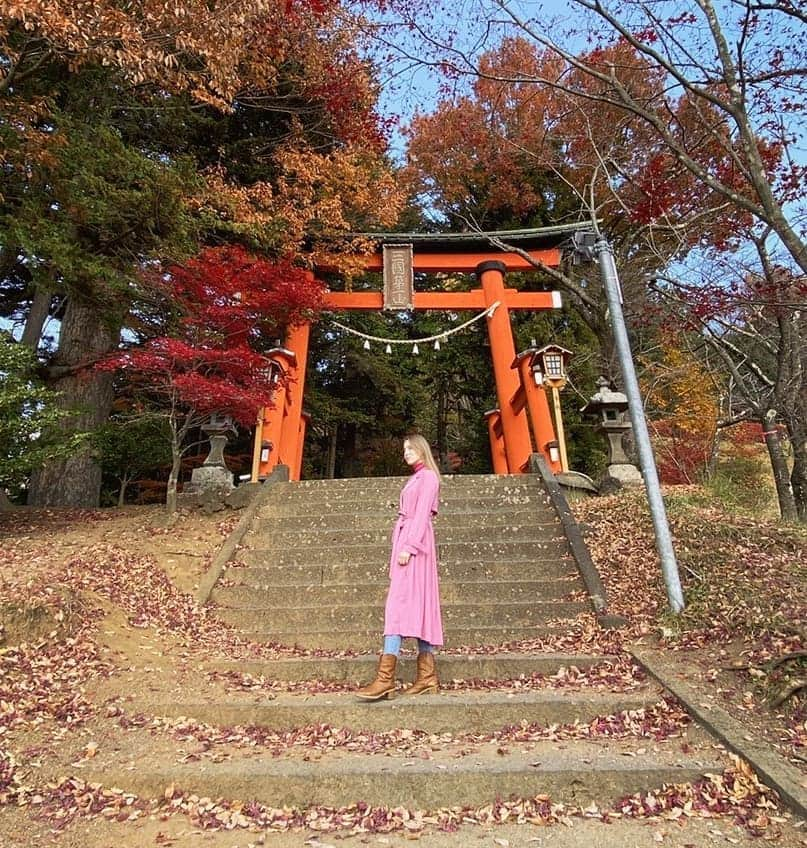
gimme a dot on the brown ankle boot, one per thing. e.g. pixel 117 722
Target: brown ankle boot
pixel 426 680
pixel 384 684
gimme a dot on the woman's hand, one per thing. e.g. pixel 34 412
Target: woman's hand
pixel 403 558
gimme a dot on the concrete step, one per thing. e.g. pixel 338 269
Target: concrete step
pixel 450 484
pixel 365 616
pixel 357 639
pixel 499 666
pixel 580 773
pixel 352 482
pixel 527 500
pixel 265 572
pixel 445 712
pixel 448 552
pixel 272 536
pixel 370 519
pixel 374 593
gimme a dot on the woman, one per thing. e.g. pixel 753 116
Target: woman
pixel 413 598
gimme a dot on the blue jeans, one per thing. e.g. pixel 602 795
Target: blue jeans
pixel 392 645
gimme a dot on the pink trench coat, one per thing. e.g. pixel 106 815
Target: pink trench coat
pixel 413 599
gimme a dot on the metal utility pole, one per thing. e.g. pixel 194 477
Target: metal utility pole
pixel 590 245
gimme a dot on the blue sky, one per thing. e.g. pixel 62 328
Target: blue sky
pixel 410 85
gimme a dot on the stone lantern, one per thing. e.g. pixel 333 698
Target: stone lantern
pixel 611 408
pixel 213 476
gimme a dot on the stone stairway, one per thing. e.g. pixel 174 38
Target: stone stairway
pixel 315 571
pixel 312 572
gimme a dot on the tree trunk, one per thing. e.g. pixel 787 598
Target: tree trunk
pixel 173 479
pixel 85 336
pixel 714 455
pixel 349 463
pixel 781 477
pixel 442 428
pixel 333 435
pixel 798 477
pixel 35 322
pixel 124 484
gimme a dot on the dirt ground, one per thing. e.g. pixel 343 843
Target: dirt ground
pixel 123 633
pixel 693 833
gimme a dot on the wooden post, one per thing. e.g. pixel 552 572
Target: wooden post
pixel 540 417
pixel 305 418
pixel 256 446
pixel 515 428
pixel 272 430
pixel 270 418
pixel 564 462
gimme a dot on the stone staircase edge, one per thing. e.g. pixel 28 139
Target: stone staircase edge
pixel 228 547
pixel 588 571
pixel 305 784
pixel 774 770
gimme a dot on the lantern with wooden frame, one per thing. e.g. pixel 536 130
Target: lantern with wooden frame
pixel 549 368
pixel 550 361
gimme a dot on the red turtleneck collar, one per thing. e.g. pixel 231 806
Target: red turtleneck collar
pixel 418 465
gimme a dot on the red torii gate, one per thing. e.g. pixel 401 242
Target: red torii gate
pixel 280 431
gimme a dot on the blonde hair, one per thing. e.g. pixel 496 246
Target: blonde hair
pixel 423 449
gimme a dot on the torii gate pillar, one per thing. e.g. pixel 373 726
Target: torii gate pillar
pixel 292 433
pixel 514 424
pixel 280 429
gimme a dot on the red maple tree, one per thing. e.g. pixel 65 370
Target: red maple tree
pixel 228 306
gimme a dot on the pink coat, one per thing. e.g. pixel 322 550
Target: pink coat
pixel 413 599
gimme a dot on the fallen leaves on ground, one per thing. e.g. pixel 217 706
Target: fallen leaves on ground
pixel 656 722
pixel 743 579
pixel 736 792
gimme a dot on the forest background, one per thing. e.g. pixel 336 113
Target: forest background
pixel 169 175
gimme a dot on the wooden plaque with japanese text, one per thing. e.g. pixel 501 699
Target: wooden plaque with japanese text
pixel 399 280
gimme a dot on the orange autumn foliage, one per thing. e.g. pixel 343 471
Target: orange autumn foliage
pixel 683 407
pixel 317 201
pixel 292 57
pixel 206 48
pixel 519 150
pixel 271 54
